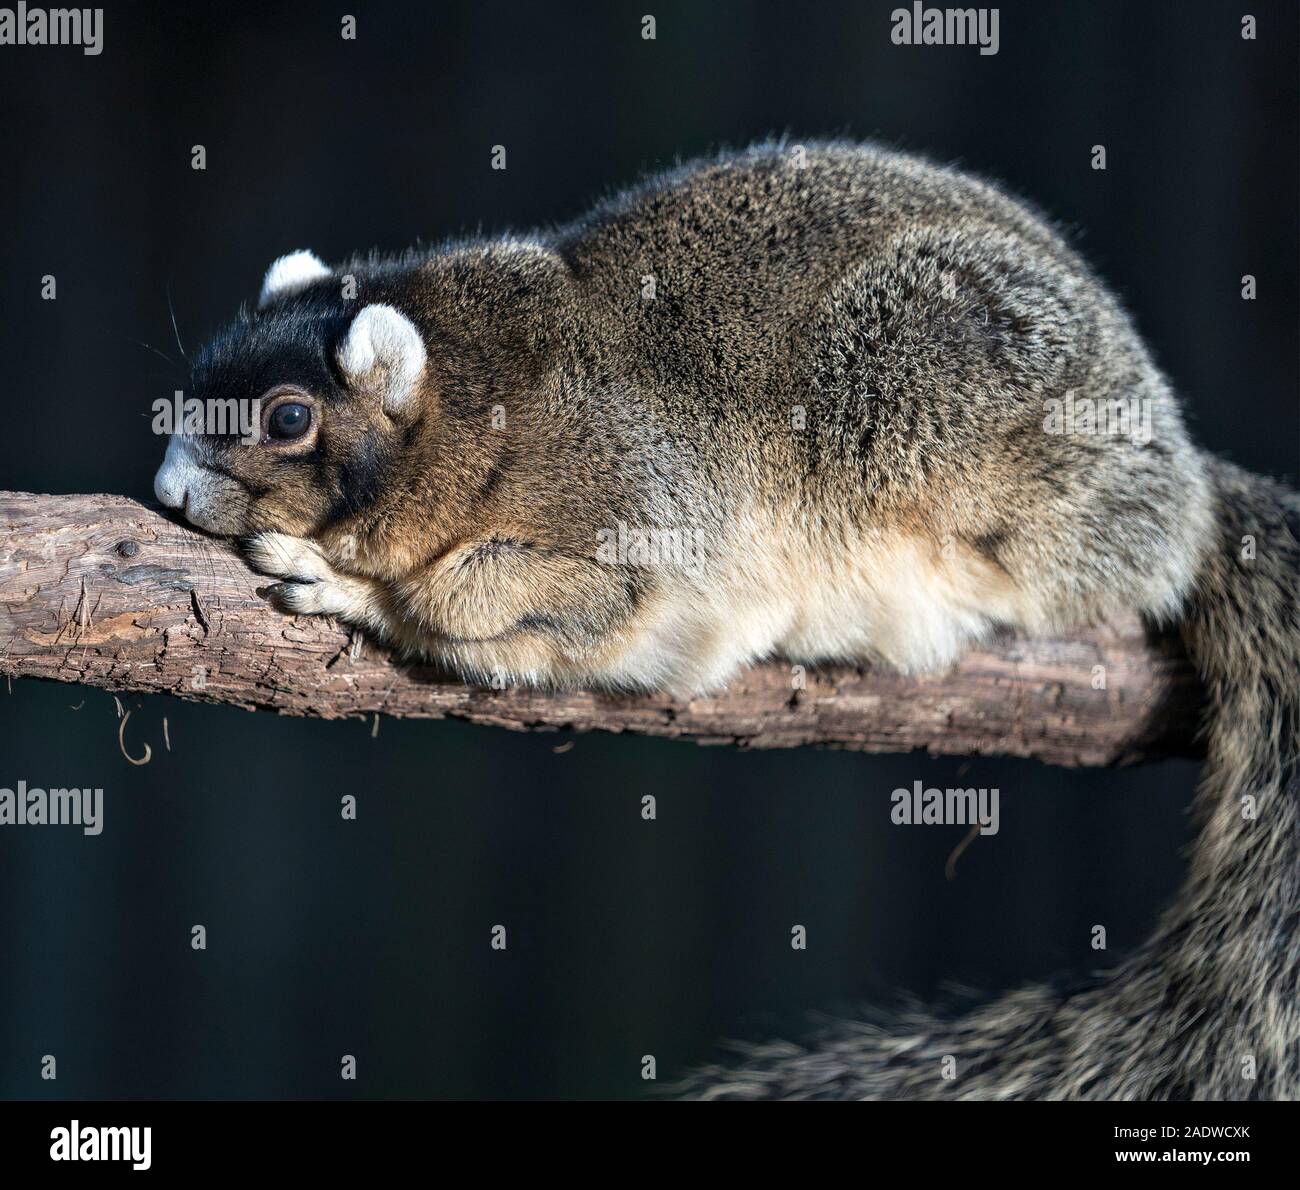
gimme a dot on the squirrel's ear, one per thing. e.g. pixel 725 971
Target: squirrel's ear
pixel 290 274
pixel 383 340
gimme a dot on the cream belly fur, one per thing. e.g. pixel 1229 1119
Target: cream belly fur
pixel 897 599
pixel 893 598
pixel 901 599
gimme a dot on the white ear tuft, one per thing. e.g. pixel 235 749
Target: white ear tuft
pixel 290 274
pixel 382 337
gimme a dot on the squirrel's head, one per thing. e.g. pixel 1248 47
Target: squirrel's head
pixel 294 411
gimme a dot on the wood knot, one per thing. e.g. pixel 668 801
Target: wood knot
pixel 128 548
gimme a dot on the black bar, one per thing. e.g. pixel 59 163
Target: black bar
pixel 341 1138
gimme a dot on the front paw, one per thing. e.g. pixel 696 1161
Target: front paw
pixel 310 586
pixel 306 598
pixel 292 558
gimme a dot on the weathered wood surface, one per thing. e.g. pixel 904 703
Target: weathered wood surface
pixel 104 591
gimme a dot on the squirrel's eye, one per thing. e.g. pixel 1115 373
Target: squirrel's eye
pixel 289 420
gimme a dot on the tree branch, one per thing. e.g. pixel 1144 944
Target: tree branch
pixel 104 591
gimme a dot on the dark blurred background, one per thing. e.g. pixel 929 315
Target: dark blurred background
pixel 625 937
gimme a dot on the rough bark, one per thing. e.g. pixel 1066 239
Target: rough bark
pixel 104 591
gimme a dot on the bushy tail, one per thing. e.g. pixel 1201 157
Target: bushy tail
pixel 1209 1007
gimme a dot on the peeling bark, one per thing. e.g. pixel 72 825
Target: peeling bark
pixel 104 591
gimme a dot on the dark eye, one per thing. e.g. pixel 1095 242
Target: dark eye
pixel 289 420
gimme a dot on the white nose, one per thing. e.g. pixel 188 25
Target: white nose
pixel 172 481
pixel 166 488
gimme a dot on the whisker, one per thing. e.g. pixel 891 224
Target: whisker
pixel 151 347
pixel 175 330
